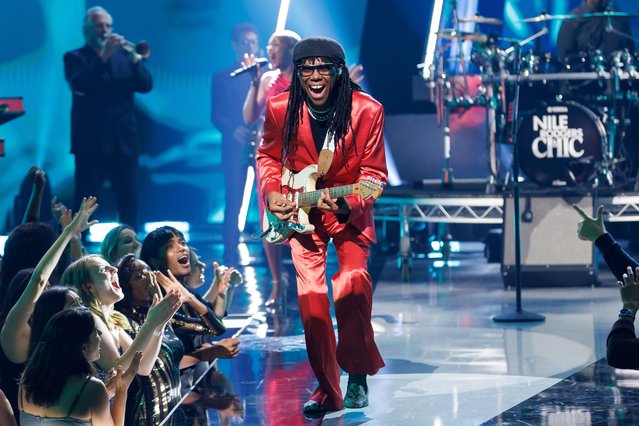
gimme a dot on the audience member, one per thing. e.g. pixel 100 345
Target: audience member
pixel 220 290
pixel 119 241
pixel 58 385
pixel 24 248
pixel 18 307
pixel 151 398
pixel 6 412
pixel 165 250
pixel 622 343
pixel 98 285
pixel 27 208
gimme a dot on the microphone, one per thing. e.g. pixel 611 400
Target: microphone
pixel 240 71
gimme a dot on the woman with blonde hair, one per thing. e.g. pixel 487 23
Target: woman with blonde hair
pixel 118 242
pixel 96 281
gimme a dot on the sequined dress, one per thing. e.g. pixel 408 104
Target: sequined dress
pixel 150 399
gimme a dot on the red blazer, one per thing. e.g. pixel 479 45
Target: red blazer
pixel 364 154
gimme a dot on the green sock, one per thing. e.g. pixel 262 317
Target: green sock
pixel 359 379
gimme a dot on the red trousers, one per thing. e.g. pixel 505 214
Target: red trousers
pixel 356 352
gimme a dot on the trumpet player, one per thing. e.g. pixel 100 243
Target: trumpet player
pixel 103 76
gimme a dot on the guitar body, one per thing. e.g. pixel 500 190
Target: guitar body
pixel 292 184
pixel 300 189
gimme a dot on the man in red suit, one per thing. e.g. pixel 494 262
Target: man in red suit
pixel 325 112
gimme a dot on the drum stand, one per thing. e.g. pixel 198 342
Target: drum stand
pixel 608 149
pixel 611 125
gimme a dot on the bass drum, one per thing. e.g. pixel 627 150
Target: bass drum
pixel 560 144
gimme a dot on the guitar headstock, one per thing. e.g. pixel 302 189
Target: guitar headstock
pixel 369 188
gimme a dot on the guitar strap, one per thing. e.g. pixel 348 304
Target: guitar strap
pixel 326 155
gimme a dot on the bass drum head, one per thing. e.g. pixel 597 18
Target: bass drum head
pixel 560 144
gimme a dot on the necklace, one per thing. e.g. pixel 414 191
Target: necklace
pixel 319 115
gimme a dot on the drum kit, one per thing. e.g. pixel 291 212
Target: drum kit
pixel 570 116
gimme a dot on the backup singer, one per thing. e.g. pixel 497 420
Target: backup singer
pixel 265 86
pixel 227 97
pixel 321 102
pixel 103 75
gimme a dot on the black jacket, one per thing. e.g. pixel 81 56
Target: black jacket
pixel 102 114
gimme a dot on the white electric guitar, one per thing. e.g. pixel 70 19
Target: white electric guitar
pixel 300 189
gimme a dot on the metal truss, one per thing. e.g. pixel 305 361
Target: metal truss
pixel 620 208
pixel 474 209
pixel 466 209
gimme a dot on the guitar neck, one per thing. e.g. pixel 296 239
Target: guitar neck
pixel 310 198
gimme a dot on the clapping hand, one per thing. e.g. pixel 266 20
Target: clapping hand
pixel 590 228
pixel 222 278
pixel 170 283
pixel 118 380
pixel 162 311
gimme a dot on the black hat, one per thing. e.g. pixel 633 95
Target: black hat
pixel 318 47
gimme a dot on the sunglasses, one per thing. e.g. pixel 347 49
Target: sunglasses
pixel 322 69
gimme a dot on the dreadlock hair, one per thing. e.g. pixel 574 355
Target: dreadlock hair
pixel 340 97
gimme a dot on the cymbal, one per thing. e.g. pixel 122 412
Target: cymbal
pixel 478 19
pixel 607 14
pixel 452 34
pixel 546 17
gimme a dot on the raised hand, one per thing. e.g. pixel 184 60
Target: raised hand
pixel 80 222
pixel 629 289
pixel 355 71
pixel 37 176
pixel 590 228
pixel 58 209
pixel 256 71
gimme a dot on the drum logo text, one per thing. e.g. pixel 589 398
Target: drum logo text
pixel 556 139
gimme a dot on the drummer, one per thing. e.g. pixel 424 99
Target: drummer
pixel 586 35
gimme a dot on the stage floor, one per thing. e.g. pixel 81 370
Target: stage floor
pixel 447 361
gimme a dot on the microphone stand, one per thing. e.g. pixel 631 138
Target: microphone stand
pixel 519 315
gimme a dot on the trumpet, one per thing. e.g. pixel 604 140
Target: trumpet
pixel 140 48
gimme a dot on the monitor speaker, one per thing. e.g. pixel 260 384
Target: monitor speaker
pixel 551 253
